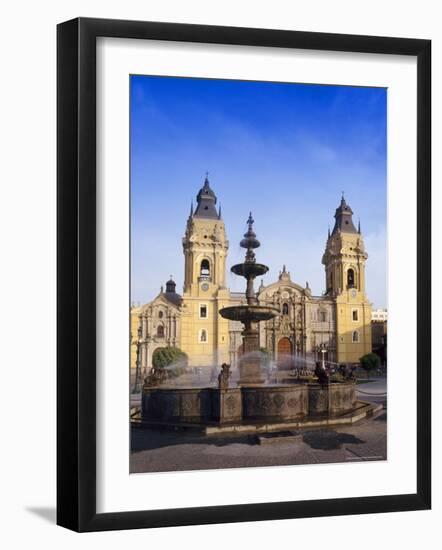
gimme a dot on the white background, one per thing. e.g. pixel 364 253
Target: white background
pixel 27 299
pixel 117 490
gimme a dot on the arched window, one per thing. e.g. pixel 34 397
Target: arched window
pixel 285 308
pixel 203 335
pixel 205 269
pixel 355 336
pixel 160 331
pixel 350 278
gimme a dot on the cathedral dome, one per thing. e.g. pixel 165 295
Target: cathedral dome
pixel 170 285
pixel 170 293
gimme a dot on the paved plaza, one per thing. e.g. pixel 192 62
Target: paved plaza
pixel 162 451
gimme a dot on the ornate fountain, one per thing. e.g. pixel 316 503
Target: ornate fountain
pixel 250 315
pixel 252 405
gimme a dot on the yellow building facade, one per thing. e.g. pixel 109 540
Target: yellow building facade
pixel 339 320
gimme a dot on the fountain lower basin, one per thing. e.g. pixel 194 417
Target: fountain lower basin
pixel 236 405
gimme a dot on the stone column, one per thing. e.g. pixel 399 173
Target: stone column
pixel 250 368
pixel 226 405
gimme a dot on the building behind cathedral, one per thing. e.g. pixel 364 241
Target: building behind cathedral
pixel 339 321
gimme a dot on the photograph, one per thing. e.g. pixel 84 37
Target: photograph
pixel 258 308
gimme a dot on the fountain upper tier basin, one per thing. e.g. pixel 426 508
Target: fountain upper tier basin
pixel 249 269
pixel 249 313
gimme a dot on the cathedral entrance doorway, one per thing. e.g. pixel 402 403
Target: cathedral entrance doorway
pixel 285 358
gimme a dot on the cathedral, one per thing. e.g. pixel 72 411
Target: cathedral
pixel 336 325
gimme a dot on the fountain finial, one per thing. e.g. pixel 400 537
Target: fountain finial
pixel 250 241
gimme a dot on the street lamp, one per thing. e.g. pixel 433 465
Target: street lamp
pixel 323 350
pixel 136 388
pixel 147 342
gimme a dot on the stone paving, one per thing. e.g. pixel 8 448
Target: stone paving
pixel 162 451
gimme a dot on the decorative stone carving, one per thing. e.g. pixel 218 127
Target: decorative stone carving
pixel 230 404
pixel 187 405
pixel 279 401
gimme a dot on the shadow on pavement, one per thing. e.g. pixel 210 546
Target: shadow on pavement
pixel 144 440
pixel 328 440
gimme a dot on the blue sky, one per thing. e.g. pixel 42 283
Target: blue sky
pixel 284 151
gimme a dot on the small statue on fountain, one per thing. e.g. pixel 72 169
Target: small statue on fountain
pixel 155 378
pixel 347 371
pixel 351 372
pixel 321 373
pixel 223 377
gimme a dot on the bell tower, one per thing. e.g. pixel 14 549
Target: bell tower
pixel 204 333
pixel 344 260
pixel 205 245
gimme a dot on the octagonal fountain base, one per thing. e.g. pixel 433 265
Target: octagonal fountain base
pixel 255 404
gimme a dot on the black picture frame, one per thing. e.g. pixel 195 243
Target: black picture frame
pixel 76 273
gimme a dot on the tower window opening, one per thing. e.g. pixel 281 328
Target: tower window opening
pixel 350 278
pixel 205 269
pixel 355 336
pixel 355 315
pixel 203 312
pixel 160 331
pixel 203 336
pixel 285 309
pixel 322 316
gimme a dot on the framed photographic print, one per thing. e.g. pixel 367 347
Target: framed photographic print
pixel 243 274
